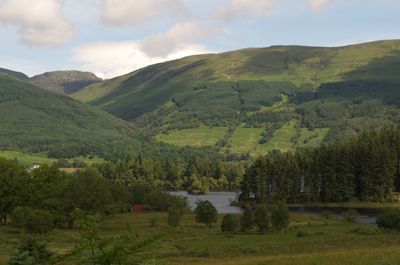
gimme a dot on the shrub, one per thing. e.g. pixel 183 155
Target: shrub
pixel 39 222
pixel 31 252
pixel 261 218
pixel 174 216
pixel 302 234
pixel 350 215
pixel 389 219
pixel 205 213
pixel 280 216
pixel 32 220
pixel 247 220
pixel 229 224
pixel 19 216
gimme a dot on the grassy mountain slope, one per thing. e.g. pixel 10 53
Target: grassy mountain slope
pixel 64 82
pixel 293 95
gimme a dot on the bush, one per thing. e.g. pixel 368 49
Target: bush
pixel 247 220
pixel 280 216
pixel 389 219
pixel 19 216
pixel 229 224
pixel 34 221
pixel 302 234
pixel 261 218
pixel 350 215
pixel 174 216
pixel 31 252
pixel 205 213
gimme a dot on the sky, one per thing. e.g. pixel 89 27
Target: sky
pixel 115 37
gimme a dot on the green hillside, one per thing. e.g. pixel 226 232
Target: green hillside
pixel 35 120
pixel 64 82
pixel 13 74
pixel 281 97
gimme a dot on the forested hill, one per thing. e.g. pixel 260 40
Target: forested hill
pixel 256 100
pixel 36 120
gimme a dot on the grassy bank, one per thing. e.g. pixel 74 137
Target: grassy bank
pixel 29 159
pixel 308 241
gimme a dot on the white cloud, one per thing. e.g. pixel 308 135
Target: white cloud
pixel 233 8
pixel 41 22
pixel 175 39
pixel 110 59
pixel 138 12
pixel 317 5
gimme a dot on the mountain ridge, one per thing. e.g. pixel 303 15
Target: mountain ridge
pixel 275 89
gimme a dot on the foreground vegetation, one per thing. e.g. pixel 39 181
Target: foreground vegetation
pixel 308 241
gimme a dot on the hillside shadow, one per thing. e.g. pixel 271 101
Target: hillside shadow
pixel 383 69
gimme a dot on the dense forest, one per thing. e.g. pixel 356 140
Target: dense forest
pixel 365 168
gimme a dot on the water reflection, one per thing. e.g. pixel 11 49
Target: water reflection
pixel 220 200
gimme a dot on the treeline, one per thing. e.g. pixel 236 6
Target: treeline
pixel 46 198
pixel 196 175
pixel 364 168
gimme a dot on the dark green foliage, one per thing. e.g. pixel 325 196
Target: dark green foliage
pixel 206 213
pixel 280 216
pixel 247 220
pixel 364 168
pixel 350 215
pixel 35 120
pixel 229 224
pixel 11 177
pixel 31 252
pixel 174 216
pixel 389 219
pixel 33 221
pixel 261 218
pixel 176 209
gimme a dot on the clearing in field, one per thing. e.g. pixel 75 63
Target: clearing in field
pixel 29 159
pixel 198 137
pixel 311 138
pixel 245 140
pixel 282 138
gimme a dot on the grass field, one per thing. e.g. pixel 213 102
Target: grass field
pixel 245 140
pixel 28 159
pixel 323 242
pixel 198 137
pixel 282 138
pixel 311 138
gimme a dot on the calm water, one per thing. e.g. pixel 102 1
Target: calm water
pixel 222 201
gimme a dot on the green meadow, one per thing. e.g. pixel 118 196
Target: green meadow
pixel 29 159
pixel 307 241
pixel 282 138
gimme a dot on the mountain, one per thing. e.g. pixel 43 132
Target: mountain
pixel 13 74
pixel 260 99
pixel 35 120
pixel 64 82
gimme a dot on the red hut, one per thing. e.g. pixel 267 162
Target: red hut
pixel 137 208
